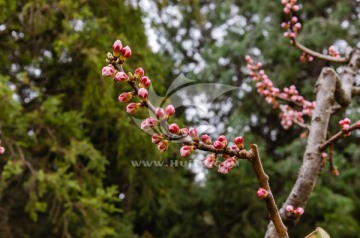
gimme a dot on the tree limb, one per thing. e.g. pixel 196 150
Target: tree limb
pixel 318 55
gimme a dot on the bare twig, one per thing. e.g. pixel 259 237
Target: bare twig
pixel 263 180
pixel 318 55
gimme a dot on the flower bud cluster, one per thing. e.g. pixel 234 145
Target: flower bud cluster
pixel 305 57
pixel 333 51
pixel 266 89
pixel 298 211
pixel 292 26
pixel 345 125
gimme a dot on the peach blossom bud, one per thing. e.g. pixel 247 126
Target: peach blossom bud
pixel 184 131
pixel 290 208
pixel 223 169
pixel 186 150
pixel 299 211
pixel 2 150
pixel 125 53
pixel 292 35
pixel 295 8
pixel 133 107
pixel 117 46
pixel 108 71
pixel 125 97
pixel 163 145
pixel 286 10
pixel 174 128
pixel 324 155
pixel 347 121
pixel 218 145
pixel 209 161
pixel 297 26
pixel 139 72
pixel 294 19
pixel 156 138
pixel 235 148
pixel 262 193
pixel 310 58
pixel 222 139
pixel 159 112
pixel 143 93
pixel 169 110
pixel 346 127
pixel 144 82
pixel 145 125
pixel 230 163
pixel 284 2
pixel 121 77
pixel 248 58
pixel 239 141
pixel 193 133
pixel 206 139
pixel 287 34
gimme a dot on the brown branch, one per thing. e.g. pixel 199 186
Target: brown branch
pixel 312 161
pixel 339 136
pixel 355 91
pixel 263 180
pixel 319 55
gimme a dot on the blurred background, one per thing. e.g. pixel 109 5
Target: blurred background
pixel 69 143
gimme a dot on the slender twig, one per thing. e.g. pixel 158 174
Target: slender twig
pixel 318 55
pixel 339 136
pixel 263 180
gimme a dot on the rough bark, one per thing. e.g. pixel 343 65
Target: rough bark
pixel 312 161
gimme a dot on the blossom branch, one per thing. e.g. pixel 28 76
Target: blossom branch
pixel 319 55
pixel 263 180
pixel 341 134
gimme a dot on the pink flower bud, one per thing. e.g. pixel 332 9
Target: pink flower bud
pixel 218 145
pixel 148 123
pixel 223 169
pixel 222 139
pixel 284 2
pixel 193 133
pixel 174 128
pixel 125 53
pixel 184 131
pixel 235 148
pixel 324 155
pixel 169 110
pixel 239 141
pixel 295 8
pixel 163 145
pixel 108 71
pixel 206 139
pixel 290 208
pixel 294 19
pixel 156 138
pixel 117 46
pixel 125 97
pixel 346 127
pixel 2 150
pixel 299 211
pixel 230 163
pixel 143 93
pixel 133 107
pixel 347 121
pixel 139 72
pixel 209 161
pixel 186 150
pixel 262 193
pixel 159 112
pixel 121 77
pixel 248 58
pixel 144 82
